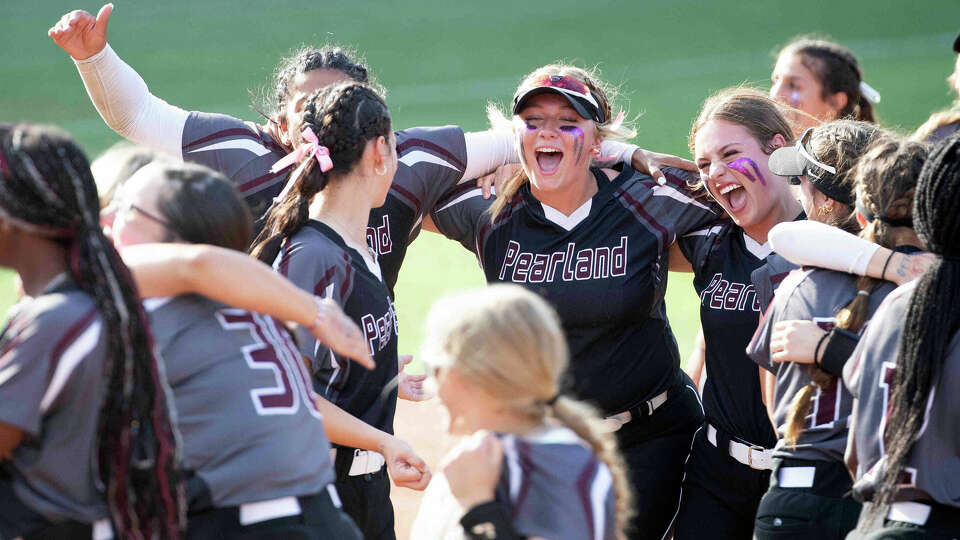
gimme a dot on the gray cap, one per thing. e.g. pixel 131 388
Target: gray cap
pixel 798 160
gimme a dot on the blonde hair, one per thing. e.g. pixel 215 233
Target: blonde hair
pixel 936 121
pixel 508 342
pixel 613 128
pixel 117 164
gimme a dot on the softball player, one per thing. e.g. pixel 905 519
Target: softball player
pixel 904 375
pixel 594 244
pixel 68 352
pixel 811 408
pixel 431 160
pixel 546 470
pixel 315 236
pixel 728 469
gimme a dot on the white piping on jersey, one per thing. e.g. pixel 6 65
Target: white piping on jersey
pixel 236 144
pixel 513 466
pixel 419 156
pixel 553 435
pixel 598 497
pixel 757 249
pixel 468 195
pixel 69 360
pixel 328 293
pixel 705 232
pixel 567 222
pixel 8 372
pixel 683 479
pixel 673 193
pixel 152 304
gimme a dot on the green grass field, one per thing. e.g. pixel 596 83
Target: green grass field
pixel 442 61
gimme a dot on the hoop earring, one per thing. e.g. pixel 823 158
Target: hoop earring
pixel 381 172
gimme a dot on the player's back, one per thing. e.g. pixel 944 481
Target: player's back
pixel 245 407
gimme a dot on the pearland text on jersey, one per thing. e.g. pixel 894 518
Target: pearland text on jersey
pixel 569 265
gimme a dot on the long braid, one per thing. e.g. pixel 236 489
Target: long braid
pixel 49 190
pixel 931 320
pixel 344 118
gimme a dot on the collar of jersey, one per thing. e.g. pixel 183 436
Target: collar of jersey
pixel 545 213
pixel 357 259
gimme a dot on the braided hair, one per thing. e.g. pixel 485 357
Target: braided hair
pixel 931 320
pixel 344 117
pixel 47 189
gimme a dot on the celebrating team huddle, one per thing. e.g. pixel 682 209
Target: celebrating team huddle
pixel 145 393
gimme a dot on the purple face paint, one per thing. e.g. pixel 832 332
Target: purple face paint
pixel 743 166
pixel 578 137
pixel 795 98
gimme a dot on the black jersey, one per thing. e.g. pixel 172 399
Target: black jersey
pixel 723 259
pixel 431 160
pixel 317 260
pixel 604 269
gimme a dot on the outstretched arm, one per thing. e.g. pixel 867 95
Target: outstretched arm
pixel 809 243
pixel 117 91
pixel 214 272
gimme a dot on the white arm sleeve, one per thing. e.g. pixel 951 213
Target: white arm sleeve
pixel 127 106
pixel 810 243
pixel 491 149
pixel 486 151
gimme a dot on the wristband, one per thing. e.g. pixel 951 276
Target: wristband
pixel 488 521
pixel 883 272
pixel 838 350
pixel 816 352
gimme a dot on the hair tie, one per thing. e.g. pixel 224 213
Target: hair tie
pixel 310 148
pixel 869 92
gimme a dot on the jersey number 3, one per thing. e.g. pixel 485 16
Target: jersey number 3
pixel 272 350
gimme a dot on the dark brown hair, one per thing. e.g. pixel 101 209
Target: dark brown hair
pixel 837 69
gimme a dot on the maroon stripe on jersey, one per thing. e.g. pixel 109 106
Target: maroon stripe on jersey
pixel 458 190
pixel 433 147
pixel 639 212
pixel 321 286
pixel 777 278
pixel 584 482
pixel 827 403
pixel 232 132
pixel 487 229
pixel 526 468
pixel 410 197
pixel 250 184
pixel 72 333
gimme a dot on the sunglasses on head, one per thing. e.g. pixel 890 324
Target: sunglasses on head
pixel 815 169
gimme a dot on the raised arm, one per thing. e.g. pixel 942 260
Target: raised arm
pixel 117 91
pixel 809 243
pixel 235 279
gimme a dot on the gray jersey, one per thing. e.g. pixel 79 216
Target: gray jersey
pixel 245 408
pixel 932 468
pixel 810 295
pixel 431 160
pixel 52 361
pixel 556 487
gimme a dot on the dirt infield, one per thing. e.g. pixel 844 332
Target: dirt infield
pixel 421 425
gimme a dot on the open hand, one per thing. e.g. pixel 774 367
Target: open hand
pixel 338 331
pixel 649 162
pixel 490 184
pixel 473 469
pixel 411 387
pixel 795 341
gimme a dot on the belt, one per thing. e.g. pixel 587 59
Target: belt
pixel 364 461
pixel 751 455
pixel 645 408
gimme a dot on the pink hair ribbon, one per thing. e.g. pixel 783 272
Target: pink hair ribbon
pixel 310 148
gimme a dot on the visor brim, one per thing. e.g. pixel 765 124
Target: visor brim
pixel 583 107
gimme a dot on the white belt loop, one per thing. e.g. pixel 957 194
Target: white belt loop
pixel 909 512
pixel 616 421
pixel 102 530
pixel 796 477
pixel 366 462
pixel 753 456
pixel 251 513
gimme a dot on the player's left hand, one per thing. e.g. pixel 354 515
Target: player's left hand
pixel 473 468
pixel 795 341
pixel 411 387
pixel 406 468
pixel 338 331
pixel 649 162
pixel 490 184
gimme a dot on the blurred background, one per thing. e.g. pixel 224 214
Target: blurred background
pixel 442 61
